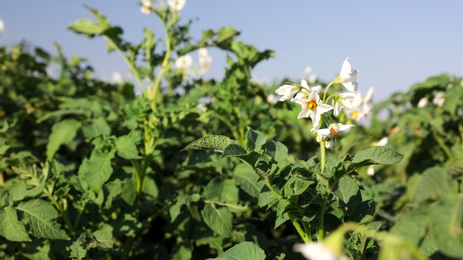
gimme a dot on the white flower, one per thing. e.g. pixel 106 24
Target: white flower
pixel 312 106
pixel 333 130
pixel 184 62
pixel 317 251
pixel 383 141
pixel 2 26
pixel 204 61
pixel 146 6
pixel 342 100
pixel 423 102
pixel 272 99
pixel 176 5
pixel 287 91
pixel 117 78
pixel 371 170
pixel 348 76
pixel 361 106
pixel 439 99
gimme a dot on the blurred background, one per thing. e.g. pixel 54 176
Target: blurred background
pixel 393 44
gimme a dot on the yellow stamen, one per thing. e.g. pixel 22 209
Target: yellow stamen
pixel 355 114
pixel 334 132
pixel 312 105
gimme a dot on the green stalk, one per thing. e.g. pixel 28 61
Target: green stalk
pixel 321 226
pixel 164 66
pixel 299 230
pixel 327 87
pixel 133 70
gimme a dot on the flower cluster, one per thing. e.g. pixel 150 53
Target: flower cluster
pixel 309 98
pixel 185 63
pixel 174 5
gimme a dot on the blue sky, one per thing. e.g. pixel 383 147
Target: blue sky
pixel 393 44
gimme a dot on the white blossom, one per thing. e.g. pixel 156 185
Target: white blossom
pixel 317 251
pixel 439 99
pixel 348 76
pixel 176 5
pixel 423 102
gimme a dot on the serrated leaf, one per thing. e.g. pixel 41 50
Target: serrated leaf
pixel 96 170
pixel 11 228
pixel 126 148
pixel 219 220
pixel 243 250
pixel 377 155
pixel 254 140
pixel 216 143
pixel 41 216
pixel 62 132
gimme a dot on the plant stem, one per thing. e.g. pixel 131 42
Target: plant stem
pixel 164 66
pixel 130 64
pixel 321 226
pixel 299 230
pixel 327 87
pixel 322 156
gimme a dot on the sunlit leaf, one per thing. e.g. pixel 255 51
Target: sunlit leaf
pixel 41 216
pixel 11 228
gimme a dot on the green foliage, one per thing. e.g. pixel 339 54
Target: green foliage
pixel 89 170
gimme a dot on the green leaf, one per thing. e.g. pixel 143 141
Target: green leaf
pixel 78 247
pixel 248 180
pixel 376 155
pixel 278 151
pixel 243 250
pixel 126 148
pixel 174 210
pixel 95 128
pixel 62 132
pixel 41 216
pixel 216 143
pixel 219 220
pixel 87 26
pixel 347 188
pixel 234 150
pixel 11 228
pixel 104 236
pixel 433 184
pixel 453 99
pixel 446 225
pixel 225 34
pixel 96 170
pixel 266 198
pixel 255 140
pixel 223 190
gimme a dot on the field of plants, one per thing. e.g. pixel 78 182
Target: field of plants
pixel 220 168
